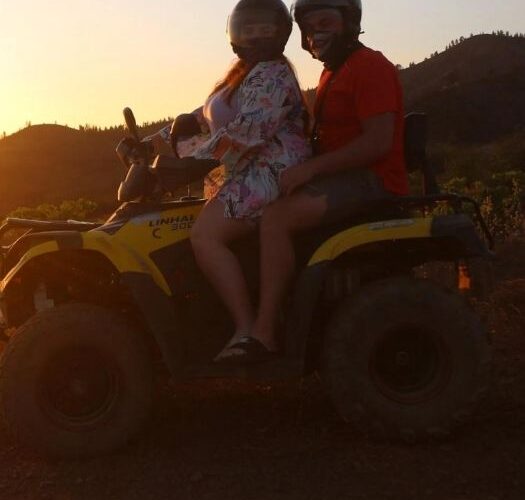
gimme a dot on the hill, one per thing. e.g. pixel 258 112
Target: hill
pixel 50 163
pixel 473 92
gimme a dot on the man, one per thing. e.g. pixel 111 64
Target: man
pixel 358 152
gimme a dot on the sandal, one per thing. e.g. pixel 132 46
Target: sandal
pixel 248 350
pixel 236 337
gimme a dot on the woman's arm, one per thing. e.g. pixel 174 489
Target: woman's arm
pixel 161 140
pixel 265 101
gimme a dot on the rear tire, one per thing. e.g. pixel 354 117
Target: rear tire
pixel 75 381
pixel 406 359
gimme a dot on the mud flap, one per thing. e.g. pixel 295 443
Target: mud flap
pixel 158 312
pixel 303 310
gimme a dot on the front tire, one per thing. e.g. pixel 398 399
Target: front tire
pixel 406 359
pixel 76 381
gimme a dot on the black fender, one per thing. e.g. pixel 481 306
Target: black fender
pixel 145 296
pixel 159 315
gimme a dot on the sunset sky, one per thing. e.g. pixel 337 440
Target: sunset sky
pixel 81 61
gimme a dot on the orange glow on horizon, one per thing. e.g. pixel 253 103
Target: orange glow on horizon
pixel 82 65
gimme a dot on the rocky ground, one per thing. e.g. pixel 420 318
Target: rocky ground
pixel 222 440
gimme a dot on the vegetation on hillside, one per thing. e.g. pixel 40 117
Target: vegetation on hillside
pixel 460 40
pixel 493 174
pixel 79 210
pixel 500 198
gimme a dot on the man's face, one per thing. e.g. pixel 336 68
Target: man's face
pixel 321 27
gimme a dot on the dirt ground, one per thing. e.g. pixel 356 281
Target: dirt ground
pixel 224 440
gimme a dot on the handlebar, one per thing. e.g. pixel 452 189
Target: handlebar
pixel 131 123
pixel 165 174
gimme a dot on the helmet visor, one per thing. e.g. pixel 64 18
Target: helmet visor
pixel 248 25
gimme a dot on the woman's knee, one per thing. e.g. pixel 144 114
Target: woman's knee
pixel 205 229
pixel 208 232
pixel 293 213
pixel 200 238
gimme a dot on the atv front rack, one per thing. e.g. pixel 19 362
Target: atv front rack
pixel 33 226
pixel 27 226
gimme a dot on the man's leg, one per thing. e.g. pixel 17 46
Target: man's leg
pixel 279 223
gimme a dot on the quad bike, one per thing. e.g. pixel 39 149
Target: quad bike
pixel 88 308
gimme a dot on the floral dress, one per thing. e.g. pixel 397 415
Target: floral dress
pixel 266 136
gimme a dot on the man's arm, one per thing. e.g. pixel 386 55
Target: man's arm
pixel 373 144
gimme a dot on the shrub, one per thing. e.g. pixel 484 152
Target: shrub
pixel 501 200
pixel 70 209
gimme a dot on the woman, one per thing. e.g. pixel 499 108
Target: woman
pixel 258 121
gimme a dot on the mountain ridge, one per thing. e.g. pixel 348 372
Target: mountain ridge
pixel 473 92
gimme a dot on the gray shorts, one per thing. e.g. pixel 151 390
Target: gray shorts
pixel 347 193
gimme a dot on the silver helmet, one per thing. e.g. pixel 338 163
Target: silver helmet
pixel 258 25
pixel 352 11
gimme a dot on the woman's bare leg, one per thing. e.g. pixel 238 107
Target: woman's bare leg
pixel 279 223
pixel 210 236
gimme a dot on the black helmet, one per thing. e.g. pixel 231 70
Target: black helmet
pixel 267 22
pixel 352 11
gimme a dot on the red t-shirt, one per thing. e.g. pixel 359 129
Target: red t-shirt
pixel 366 85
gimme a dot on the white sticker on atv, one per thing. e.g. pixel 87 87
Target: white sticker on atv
pixel 379 226
pixel 145 219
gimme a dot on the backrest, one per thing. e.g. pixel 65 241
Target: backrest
pixel 416 151
pixel 415 141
